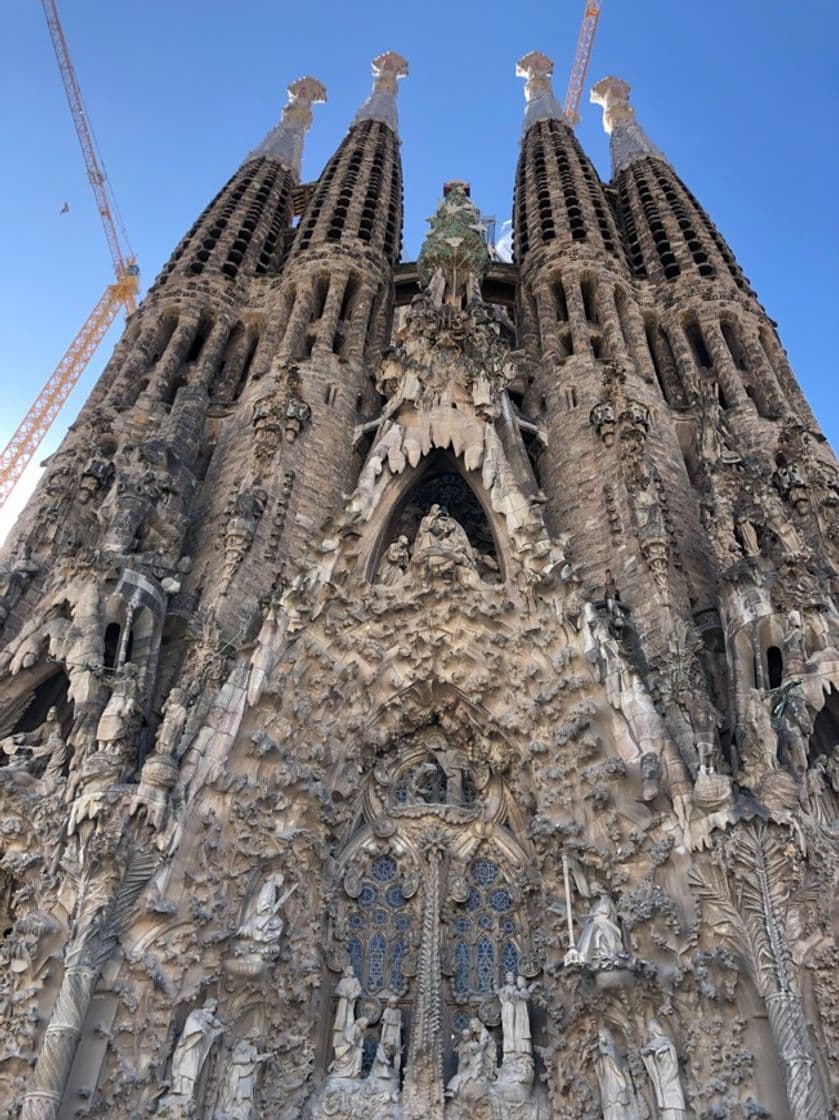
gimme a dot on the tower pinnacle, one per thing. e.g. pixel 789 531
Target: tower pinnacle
pixel 628 140
pixel 388 68
pixel 538 90
pixel 284 143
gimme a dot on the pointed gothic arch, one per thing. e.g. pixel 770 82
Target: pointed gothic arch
pixel 440 478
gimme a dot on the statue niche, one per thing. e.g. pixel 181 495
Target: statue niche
pixel 439 530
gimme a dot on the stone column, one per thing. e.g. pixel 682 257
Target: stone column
pixel 422 1093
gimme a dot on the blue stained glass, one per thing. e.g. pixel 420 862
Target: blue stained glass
pixel 368 1052
pixel 402 921
pixel 376 963
pixel 485 960
pixel 485 921
pixel 397 956
pixel 473 902
pixel 509 958
pixel 461 967
pixel 462 925
pixel 354 951
pixel 368 895
pixel 500 900
pixel 394 896
pixel 483 871
pixel 384 868
pixel 507 925
pixel 355 921
pixel 460 1021
pixel 379 918
pixel 400 795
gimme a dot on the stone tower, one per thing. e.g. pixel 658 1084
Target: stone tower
pixel 418 681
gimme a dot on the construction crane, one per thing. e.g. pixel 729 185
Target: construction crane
pixel 122 293
pixel 582 57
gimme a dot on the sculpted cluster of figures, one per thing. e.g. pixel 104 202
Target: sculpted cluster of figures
pixel 477 1069
pixel 619 1098
pixel 349 1032
pixel 441 550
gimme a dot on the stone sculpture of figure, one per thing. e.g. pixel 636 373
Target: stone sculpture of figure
pixel 515 1077
pixel 819 795
pixel 442 544
pixel 172 725
pixel 617 1095
pixel 601 940
pixel 200 1032
pixel 15 578
pixel 515 1016
pixel 453 762
pixel 118 722
pixel 394 562
pixel 262 921
pixel 391 1038
pixel 793 645
pixel 796 726
pixel 349 1051
pixel 384 1066
pixel 235 1100
pixel 475 1063
pixel 662 1062
pixel 756 740
pixel 248 508
pixel 347 990
pixel 47 742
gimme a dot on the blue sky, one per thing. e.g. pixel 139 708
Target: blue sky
pixel 742 96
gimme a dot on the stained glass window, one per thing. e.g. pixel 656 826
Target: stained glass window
pixel 485 960
pixel 485 932
pixel 378 924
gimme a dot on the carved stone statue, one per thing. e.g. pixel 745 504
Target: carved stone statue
pixel 617 1094
pixel 384 1068
pixel 27 749
pixel 119 720
pixel 200 1032
pixel 601 939
pixel 391 1038
pixel 173 723
pixel 15 578
pixel 516 1071
pixel 235 1100
pixel 349 1051
pixel 515 1016
pixel 348 989
pixel 394 562
pixel 442 547
pixel 756 739
pixel 662 1062
pixel 475 1064
pixel 262 921
pixel 247 509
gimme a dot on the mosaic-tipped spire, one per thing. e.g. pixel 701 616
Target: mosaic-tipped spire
pixel 388 68
pixel 537 68
pixel 284 143
pixel 628 141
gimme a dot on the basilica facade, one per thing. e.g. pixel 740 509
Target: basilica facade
pixel 419 687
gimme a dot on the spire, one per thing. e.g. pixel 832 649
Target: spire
pixel 538 91
pixel 284 143
pixel 628 142
pixel 388 68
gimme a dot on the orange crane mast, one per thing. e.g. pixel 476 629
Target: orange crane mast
pixel 123 293
pixel 582 58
